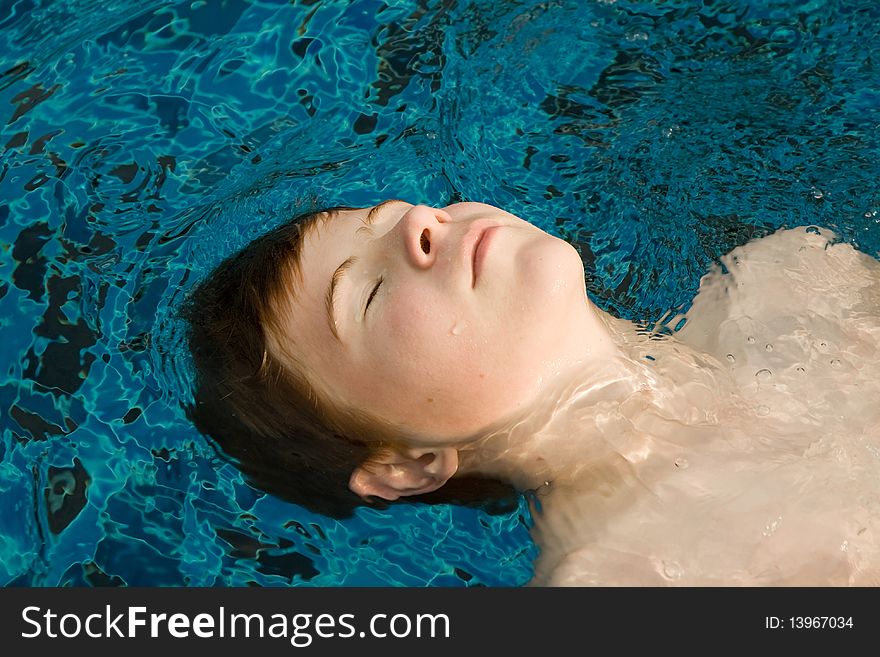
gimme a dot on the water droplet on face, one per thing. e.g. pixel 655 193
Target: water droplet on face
pixel 763 375
pixel 768 347
pixel 751 339
pixel 800 369
pixel 731 358
pixel 671 570
pixel 458 328
pixel 681 463
pixel 763 410
pixel 835 363
pixel 814 230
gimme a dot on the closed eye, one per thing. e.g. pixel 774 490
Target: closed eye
pixel 373 293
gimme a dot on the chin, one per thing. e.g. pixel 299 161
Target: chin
pixel 552 271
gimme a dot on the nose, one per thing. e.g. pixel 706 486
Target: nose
pixel 424 230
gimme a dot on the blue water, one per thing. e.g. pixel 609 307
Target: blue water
pixel 143 142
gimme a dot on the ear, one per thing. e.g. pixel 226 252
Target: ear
pixel 404 472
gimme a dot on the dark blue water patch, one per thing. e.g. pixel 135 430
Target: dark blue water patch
pixel 156 567
pixel 30 98
pixel 39 414
pixel 244 496
pixel 62 362
pixel 65 494
pixel 292 566
pixel 273 560
pixel 176 28
pixel 30 272
pixel 241 545
pixel 32 425
pixel 172 113
pixel 88 573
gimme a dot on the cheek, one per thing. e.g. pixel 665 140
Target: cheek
pixel 436 378
pixel 430 340
pixel 417 324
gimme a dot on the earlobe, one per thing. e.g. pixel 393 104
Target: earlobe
pixel 404 472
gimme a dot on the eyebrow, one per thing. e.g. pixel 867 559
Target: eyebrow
pixel 341 269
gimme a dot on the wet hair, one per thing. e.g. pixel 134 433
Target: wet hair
pixel 264 415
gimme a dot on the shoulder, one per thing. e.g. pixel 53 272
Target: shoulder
pixel 791 273
pixel 793 253
pixel 789 303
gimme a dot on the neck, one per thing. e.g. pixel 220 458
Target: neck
pixel 550 441
pixel 599 415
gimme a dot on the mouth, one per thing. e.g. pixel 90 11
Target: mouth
pixel 481 247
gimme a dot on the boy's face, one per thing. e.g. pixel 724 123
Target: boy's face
pixel 476 308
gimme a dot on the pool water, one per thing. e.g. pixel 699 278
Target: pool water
pixel 143 142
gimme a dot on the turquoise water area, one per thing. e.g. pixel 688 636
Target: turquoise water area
pixel 144 141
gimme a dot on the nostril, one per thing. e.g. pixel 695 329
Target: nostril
pixel 424 243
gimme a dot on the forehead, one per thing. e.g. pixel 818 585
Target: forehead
pixel 332 220
pixel 331 236
pixel 327 241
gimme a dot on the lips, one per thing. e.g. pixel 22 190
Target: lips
pixel 481 247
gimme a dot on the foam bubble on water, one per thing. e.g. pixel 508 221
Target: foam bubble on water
pixel 771 527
